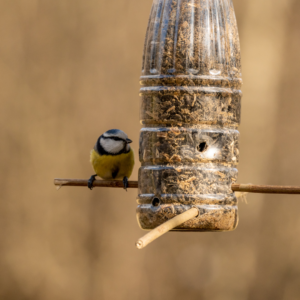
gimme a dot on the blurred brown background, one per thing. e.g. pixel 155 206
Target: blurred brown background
pixel 69 70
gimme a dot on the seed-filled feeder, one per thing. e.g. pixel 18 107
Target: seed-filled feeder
pixel 190 112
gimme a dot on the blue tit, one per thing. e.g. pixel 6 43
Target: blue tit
pixel 112 157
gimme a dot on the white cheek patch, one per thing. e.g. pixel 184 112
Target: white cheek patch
pixel 112 146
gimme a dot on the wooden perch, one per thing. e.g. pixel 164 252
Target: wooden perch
pixel 97 183
pixel 165 227
pixel 266 189
pixel 250 188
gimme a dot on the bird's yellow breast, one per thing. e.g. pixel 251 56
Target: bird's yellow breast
pixel 112 166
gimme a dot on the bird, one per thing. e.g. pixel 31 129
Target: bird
pixel 112 157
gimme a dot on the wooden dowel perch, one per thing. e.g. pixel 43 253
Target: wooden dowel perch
pixel 266 189
pixel 97 183
pixel 165 227
pixel 250 188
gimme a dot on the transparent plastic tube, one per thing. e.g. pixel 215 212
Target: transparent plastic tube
pixel 190 112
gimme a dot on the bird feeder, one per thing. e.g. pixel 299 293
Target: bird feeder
pixel 190 113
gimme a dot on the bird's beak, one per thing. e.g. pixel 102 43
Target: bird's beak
pixel 128 141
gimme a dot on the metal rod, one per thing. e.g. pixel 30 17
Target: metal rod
pixel 250 188
pixel 165 227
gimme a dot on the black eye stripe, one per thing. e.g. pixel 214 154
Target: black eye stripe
pixel 113 138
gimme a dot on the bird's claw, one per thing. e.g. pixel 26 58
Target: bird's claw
pixel 91 181
pixel 125 183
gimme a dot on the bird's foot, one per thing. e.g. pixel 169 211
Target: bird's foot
pixel 125 183
pixel 91 181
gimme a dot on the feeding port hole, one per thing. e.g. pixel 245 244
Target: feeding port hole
pixel 202 147
pixel 155 202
